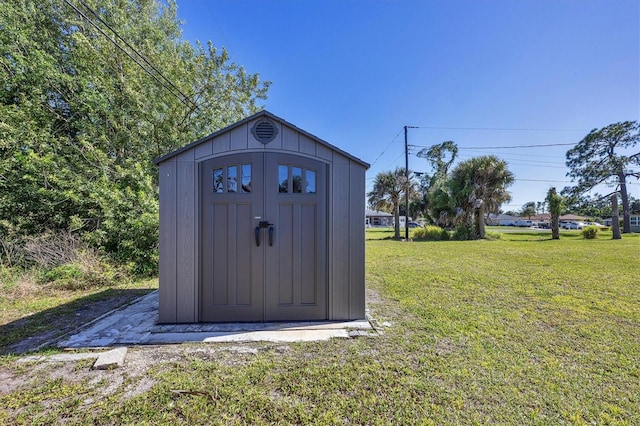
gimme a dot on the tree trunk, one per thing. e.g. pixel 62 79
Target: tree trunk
pixel 480 221
pixel 396 224
pixel 624 197
pixel 555 226
pixel 615 220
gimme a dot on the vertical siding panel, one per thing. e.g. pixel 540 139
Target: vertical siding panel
pixel 221 143
pixel 339 238
pixel 276 143
pixel 356 240
pixel 289 139
pixel 307 146
pixel 239 138
pixel 323 152
pixel 167 241
pixel 185 237
pixel 204 150
pixel 186 156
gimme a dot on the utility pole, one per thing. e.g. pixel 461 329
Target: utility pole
pixel 406 186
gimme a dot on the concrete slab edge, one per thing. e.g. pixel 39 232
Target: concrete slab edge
pixel 104 360
pixel 90 323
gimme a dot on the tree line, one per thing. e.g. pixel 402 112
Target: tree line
pixel 91 92
pixel 463 196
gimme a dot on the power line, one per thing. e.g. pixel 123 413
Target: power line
pixel 385 150
pixel 507 129
pixel 220 29
pixel 394 161
pixel 136 52
pixel 507 147
pixel 183 100
pixel 543 180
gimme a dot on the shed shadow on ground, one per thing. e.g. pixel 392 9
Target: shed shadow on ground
pixel 42 329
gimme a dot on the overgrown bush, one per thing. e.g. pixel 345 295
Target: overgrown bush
pixel 62 260
pixel 431 233
pixel 11 252
pixel 590 232
pixel 49 250
pixel 463 232
pixel 89 271
pixel 128 230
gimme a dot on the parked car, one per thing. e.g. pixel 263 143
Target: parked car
pixel 524 223
pixel 599 225
pixel 573 225
pixel 414 225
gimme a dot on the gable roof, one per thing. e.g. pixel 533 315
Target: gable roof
pixel 263 113
pixel 572 217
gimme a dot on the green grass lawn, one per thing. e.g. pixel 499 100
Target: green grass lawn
pixel 520 330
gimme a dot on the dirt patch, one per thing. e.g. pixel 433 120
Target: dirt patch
pixel 134 378
pixel 59 324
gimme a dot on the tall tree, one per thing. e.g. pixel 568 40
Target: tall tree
pixel 604 154
pixel 478 187
pixel 389 189
pixel 439 158
pixel 528 209
pixel 556 204
pixel 92 91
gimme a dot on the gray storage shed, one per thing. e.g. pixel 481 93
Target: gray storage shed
pixel 261 221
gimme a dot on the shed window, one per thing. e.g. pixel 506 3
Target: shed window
pixel 232 179
pixel 296 178
pixel 227 179
pixel 303 181
pixel 246 178
pixel 218 180
pixel 311 182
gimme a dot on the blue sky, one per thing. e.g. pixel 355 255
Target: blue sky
pixel 483 73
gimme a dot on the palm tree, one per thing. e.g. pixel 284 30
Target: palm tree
pixel 389 192
pixel 556 204
pixel 479 187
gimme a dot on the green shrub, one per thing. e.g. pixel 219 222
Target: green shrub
pixel 444 235
pixel 590 232
pixel 463 233
pixel 82 276
pixel 128 230
pixel 431 233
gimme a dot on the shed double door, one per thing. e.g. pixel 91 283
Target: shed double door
pixel 263 238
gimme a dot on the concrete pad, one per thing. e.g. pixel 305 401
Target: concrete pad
pixel 137 324
pixel 110 359
pixel 281 336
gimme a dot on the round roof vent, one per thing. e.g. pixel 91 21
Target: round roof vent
pixel 264 131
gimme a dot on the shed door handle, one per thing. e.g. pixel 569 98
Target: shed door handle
pixel 271 236
pixel 257 231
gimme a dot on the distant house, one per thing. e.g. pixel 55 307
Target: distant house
pixel 635 222
pixel 377 218
pixel 502 220
pixel 544 217
pixel 573 217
